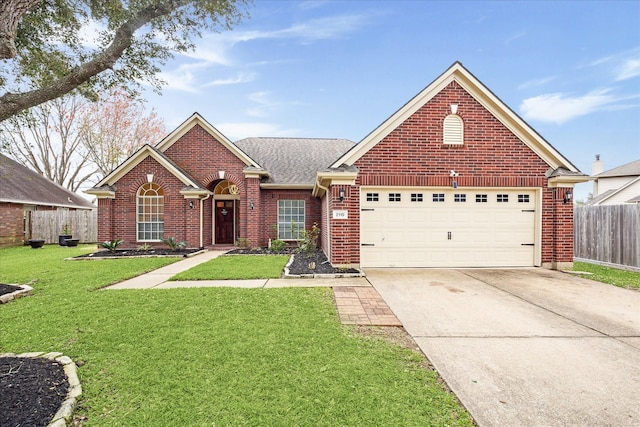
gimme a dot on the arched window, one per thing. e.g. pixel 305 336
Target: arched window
pixel 150 217
pixel 226 187
pixel 453 130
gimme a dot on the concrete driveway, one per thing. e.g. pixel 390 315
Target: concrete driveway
pixel 525 347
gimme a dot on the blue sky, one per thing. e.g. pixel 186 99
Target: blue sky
pixel 340 68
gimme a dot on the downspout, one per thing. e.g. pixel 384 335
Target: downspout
pixel 326 190
pixel 201 219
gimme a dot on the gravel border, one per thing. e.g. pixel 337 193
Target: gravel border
pixel 63 417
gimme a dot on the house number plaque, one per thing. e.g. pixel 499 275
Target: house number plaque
pixel 341 214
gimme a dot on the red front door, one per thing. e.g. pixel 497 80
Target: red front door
pixel 224 222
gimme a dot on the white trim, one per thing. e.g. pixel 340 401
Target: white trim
pixel 197 119
pixel 139 156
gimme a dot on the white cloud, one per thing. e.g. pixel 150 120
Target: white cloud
pixel 629 69
pixel 515 37
pixel 239 78
pixel 214 49
pixel 559 108
pixel 238 130
pixel 536 82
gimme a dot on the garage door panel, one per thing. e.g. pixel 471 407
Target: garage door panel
pixel 445 233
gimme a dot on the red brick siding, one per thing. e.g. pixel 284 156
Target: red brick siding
pixel 413 154
pixel 11 224
pixel 269 210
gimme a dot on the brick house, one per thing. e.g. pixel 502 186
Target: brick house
pixel 23 191
pixel 454 178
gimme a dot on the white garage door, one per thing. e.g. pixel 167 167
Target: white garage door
pixel 427 227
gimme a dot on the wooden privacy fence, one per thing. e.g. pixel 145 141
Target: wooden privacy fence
pixel 47 225
pixel 609 234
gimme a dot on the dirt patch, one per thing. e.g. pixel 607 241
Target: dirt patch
pixel 31 391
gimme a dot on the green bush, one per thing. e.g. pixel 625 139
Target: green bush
pixel 278 245
pixel 112 245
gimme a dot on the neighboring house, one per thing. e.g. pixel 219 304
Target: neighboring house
pixel 23 190
pixel 616 186
pixel 453 179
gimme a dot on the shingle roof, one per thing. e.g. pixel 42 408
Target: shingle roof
pixel 19 184
pixel 629 169
pixel 294 160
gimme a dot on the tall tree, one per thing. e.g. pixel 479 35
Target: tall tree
pixel 115 127
pixel 138 37
pixel 75 142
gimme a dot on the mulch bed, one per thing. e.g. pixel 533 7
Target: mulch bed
pixel 303 263
pixel 7 289
pixel 120 253
pixel 31 391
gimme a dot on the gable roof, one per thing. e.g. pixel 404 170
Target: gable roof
pixel 144 152
pixel 481 94
pixel 628 169
pixel 294 161
pixel 19 184
pixel 600 198
pixel 197 120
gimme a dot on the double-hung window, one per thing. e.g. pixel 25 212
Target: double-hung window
pixel 291 219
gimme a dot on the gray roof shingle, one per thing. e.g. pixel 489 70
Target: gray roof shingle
pixel 628 169
pixel 294 160
pixel 19 184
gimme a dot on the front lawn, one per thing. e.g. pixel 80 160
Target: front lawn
pixel 237 267
pixel 613 276
pixel 211 356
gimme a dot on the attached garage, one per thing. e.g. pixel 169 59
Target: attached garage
pixel 446 227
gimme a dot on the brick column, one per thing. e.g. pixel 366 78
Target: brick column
pixel 192 222
pixel 105 220
pixel 252 215
pixel 345 233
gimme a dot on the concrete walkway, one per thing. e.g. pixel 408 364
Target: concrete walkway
pixel 357 302
pixel 525 347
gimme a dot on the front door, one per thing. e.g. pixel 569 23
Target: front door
pixel 224 221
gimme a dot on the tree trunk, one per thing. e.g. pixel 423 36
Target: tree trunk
pixel 11 12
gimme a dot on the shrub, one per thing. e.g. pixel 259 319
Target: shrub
pixel 145 247
pixel 112 245
pixel 309 241
pixel 243 242
pixel 173 244
pixel 277 245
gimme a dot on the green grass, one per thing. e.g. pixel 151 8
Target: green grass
pixel 211 356
pixel 237 267
pixel 613 276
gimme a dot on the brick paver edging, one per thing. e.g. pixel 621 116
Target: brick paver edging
pixel 62 418
pixel 363 306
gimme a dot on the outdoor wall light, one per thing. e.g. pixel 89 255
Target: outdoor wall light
pixel 190 204
pixel 341 194
pixel 251 205
pixel 568 195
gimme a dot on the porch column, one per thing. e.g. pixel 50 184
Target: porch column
pixel 105 220
pixel 192 233
pixel 253 210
